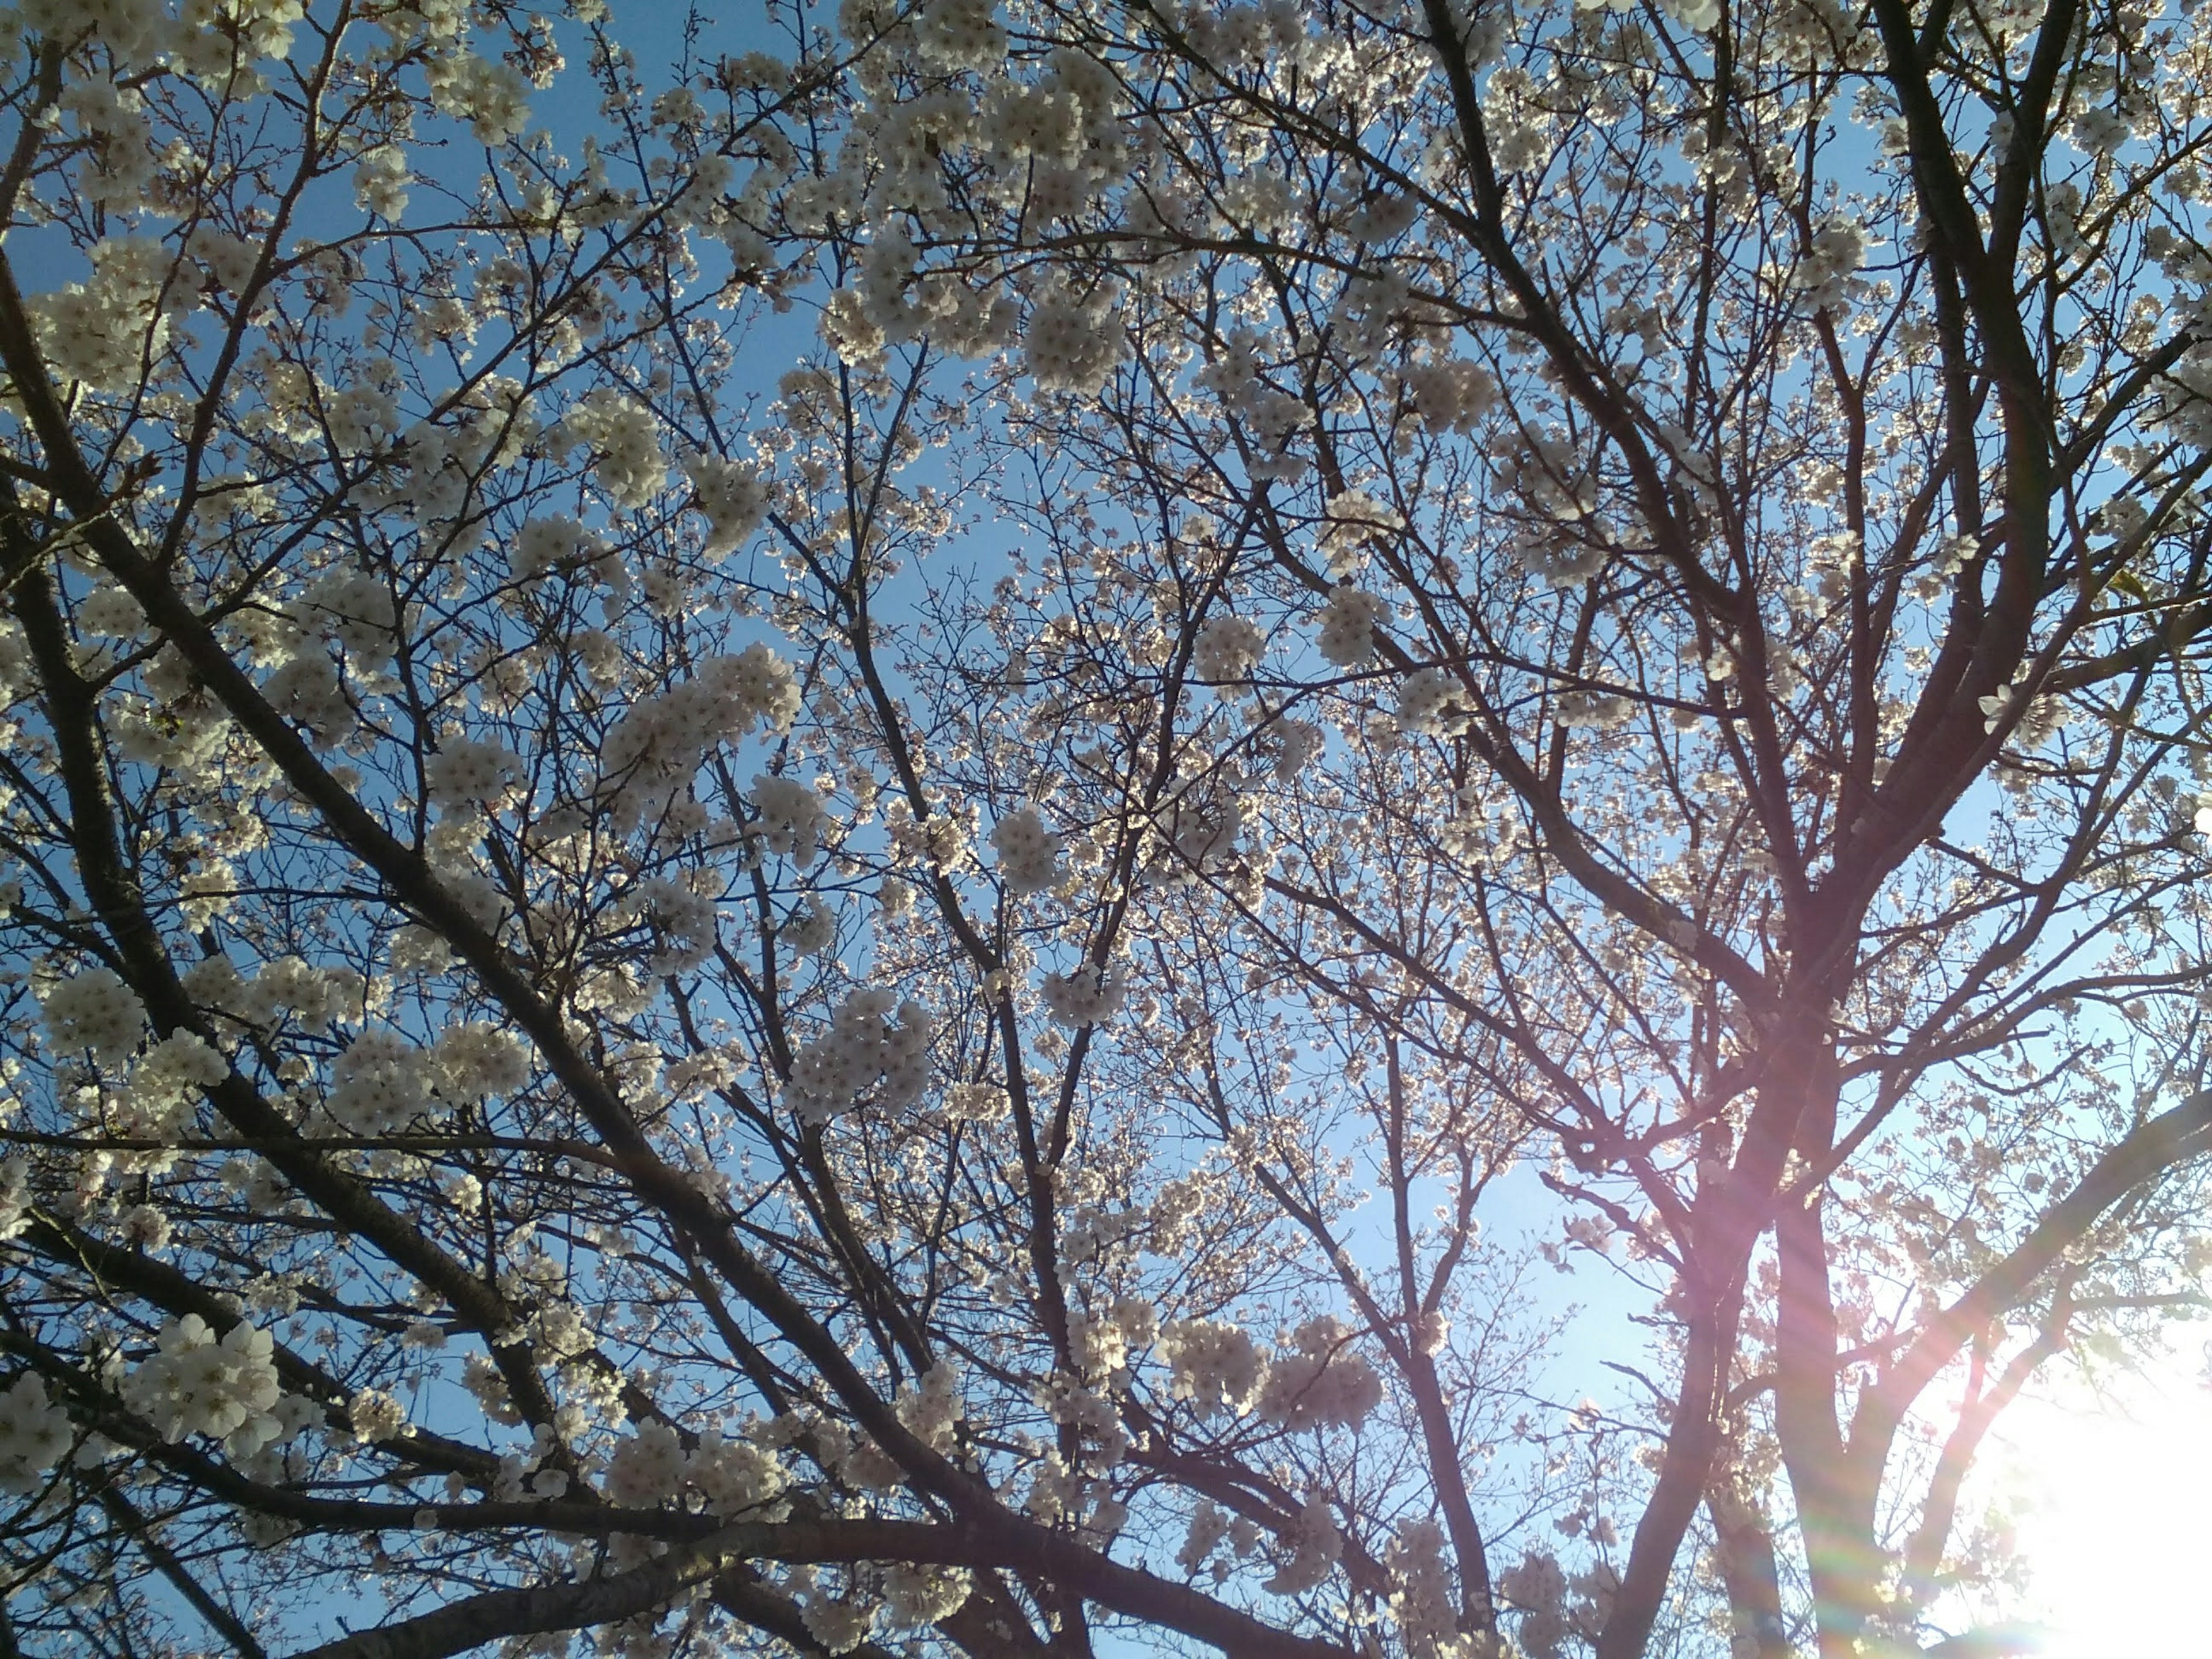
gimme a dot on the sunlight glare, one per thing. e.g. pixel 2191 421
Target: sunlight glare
pixel 2110 1520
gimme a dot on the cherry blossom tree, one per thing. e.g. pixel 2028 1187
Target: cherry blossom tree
pixel 879 843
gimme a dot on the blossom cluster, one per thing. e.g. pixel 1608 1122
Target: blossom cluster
pixel 376 1416
pixel 379 1083
pixel 1028 853
pixel 490 95
pixel 1422 1605
pixel 790 818
pixel 731 496
pixel 1227 649
pixel 102 331
pixel 163 1086
pixel 1315 1548
pixel 34 1434
pixel 469 772
pixel 683 917
pixel 305 689
pixel 892 301
pixel 876 1047
pixel 624 441
pixel 15 1195
pixel 1270 417
pixel 94 1011
pixel 1318 1382
pixel 1348 619
pixel 1431 702
pixel 932 1408
pixel 1088 996
pixel 916 1597
pixel 284 987
pixel 434 472
pixel 727 1474
pixel 1214 1365
pixel 1354 520
pixel 1071 344
pixel 1598 711
pixel 383 1080
pixel 353 609
pixel 659 745
pixel 1102 1339
pixel 1837 251
pixel 380 177
pixel 196 1384
pixel 1450 396
pixel 552 543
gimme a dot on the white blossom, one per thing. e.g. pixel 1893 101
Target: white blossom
pixel 731 496
pixel 1227 649
pixel 147 1227
pixel 376 1416
pixel 875 1051
pixel 1028 852
pixel 34 1435
pixel 15 1196
pixel 1217 1367
pixel 1071 344
pixel 659 745
pixel 1314 1547
pixel 380 177
pixel 94 1011
pixel 381 1082
pixel 1348 620
pixel 101 331
pixel 735 1477
pixel 1422 1604
pixel 932 1410
pixel 914 1596
pixel 1838 249
pixel 1086 997
pixel 475 1060
pixel 470 771
pixel 1320 1382
pixel 647 1469
pixel 1450 396
pixel 490 95
pixel 1353 519
pixel 625 440
pixel 1209 1525
pixel 790 818
pixel 1431 702
pixel 839 1625
pixel 164 1086
pixel 195 1383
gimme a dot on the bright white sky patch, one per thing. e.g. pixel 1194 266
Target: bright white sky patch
pixel 2113 1527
